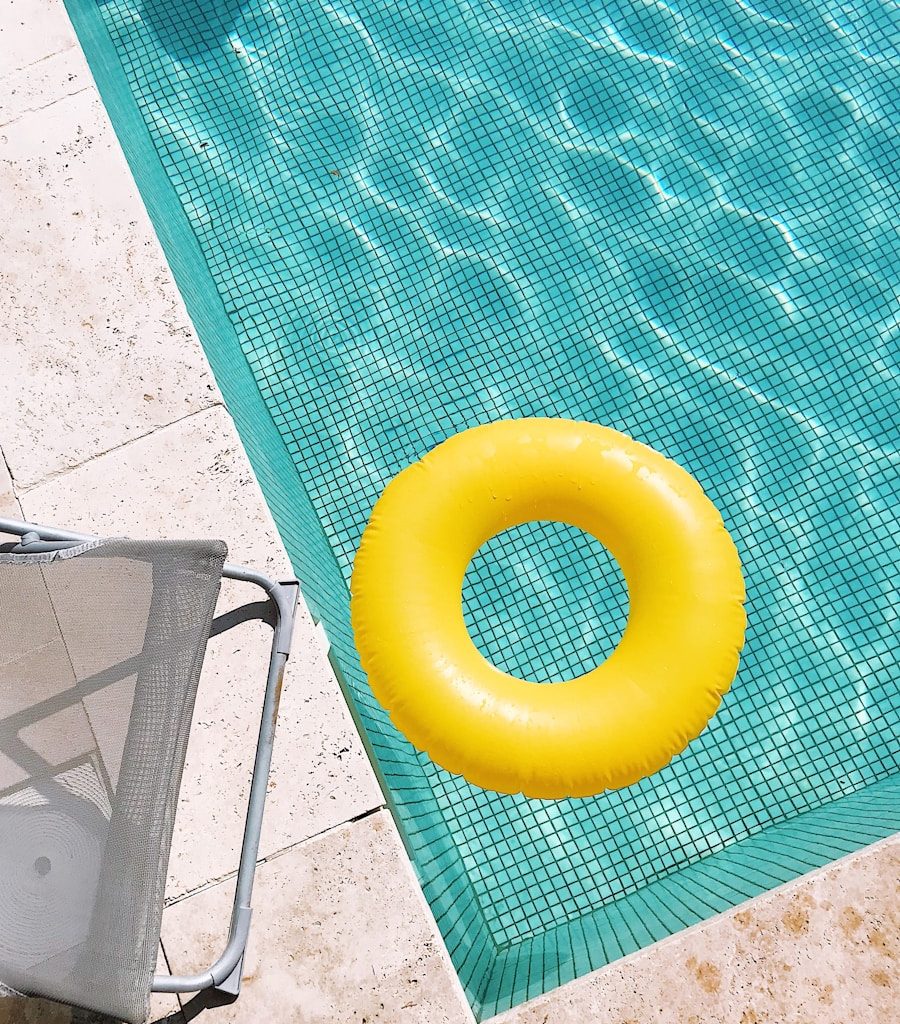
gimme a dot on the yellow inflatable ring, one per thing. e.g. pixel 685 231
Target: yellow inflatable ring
pixel 623 720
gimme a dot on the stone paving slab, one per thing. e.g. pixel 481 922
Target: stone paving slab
pixel 824 949
pixel 341 932
pixel 41 84
pixel 97 346
pixel 31 30
pixel 193 479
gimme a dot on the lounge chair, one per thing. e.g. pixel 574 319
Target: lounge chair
pixel 101 647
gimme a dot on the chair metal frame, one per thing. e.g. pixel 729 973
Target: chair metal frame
pixel 225 974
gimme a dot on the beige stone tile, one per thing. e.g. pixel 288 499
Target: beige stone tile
pixel 90 600
pixel 31 30
pixel 60 737
pixel 97 347
pixel 341 932
pixel 104 710
pixel 11 774
pixel 31 649
pixel 823 950
pixel 38 85
pixel 193 479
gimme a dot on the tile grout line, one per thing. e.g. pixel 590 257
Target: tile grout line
pixel 57 473
pixel 40 60
pixel 213 882
pixel 12 483
pixel 8 468
pixel 324 832
pixel 44 106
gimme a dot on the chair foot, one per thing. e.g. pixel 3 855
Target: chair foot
pixel 231 986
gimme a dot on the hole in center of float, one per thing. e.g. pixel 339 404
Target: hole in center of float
pixel 545 601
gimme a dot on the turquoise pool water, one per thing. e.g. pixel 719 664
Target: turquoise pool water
pixel 392 221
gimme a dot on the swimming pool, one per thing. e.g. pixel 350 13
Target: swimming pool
pixel 391 221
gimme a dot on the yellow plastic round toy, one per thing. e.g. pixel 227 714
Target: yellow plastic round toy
pixel 608 728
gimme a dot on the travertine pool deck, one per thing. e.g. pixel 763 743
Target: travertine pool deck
pixel 110 421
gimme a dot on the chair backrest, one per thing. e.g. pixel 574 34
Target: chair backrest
pixel 101 647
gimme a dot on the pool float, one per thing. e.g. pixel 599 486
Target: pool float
pixel 617 723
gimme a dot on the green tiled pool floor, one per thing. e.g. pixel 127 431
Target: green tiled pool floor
pixel 392 221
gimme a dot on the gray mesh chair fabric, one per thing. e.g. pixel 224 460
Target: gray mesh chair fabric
pixel 101 648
